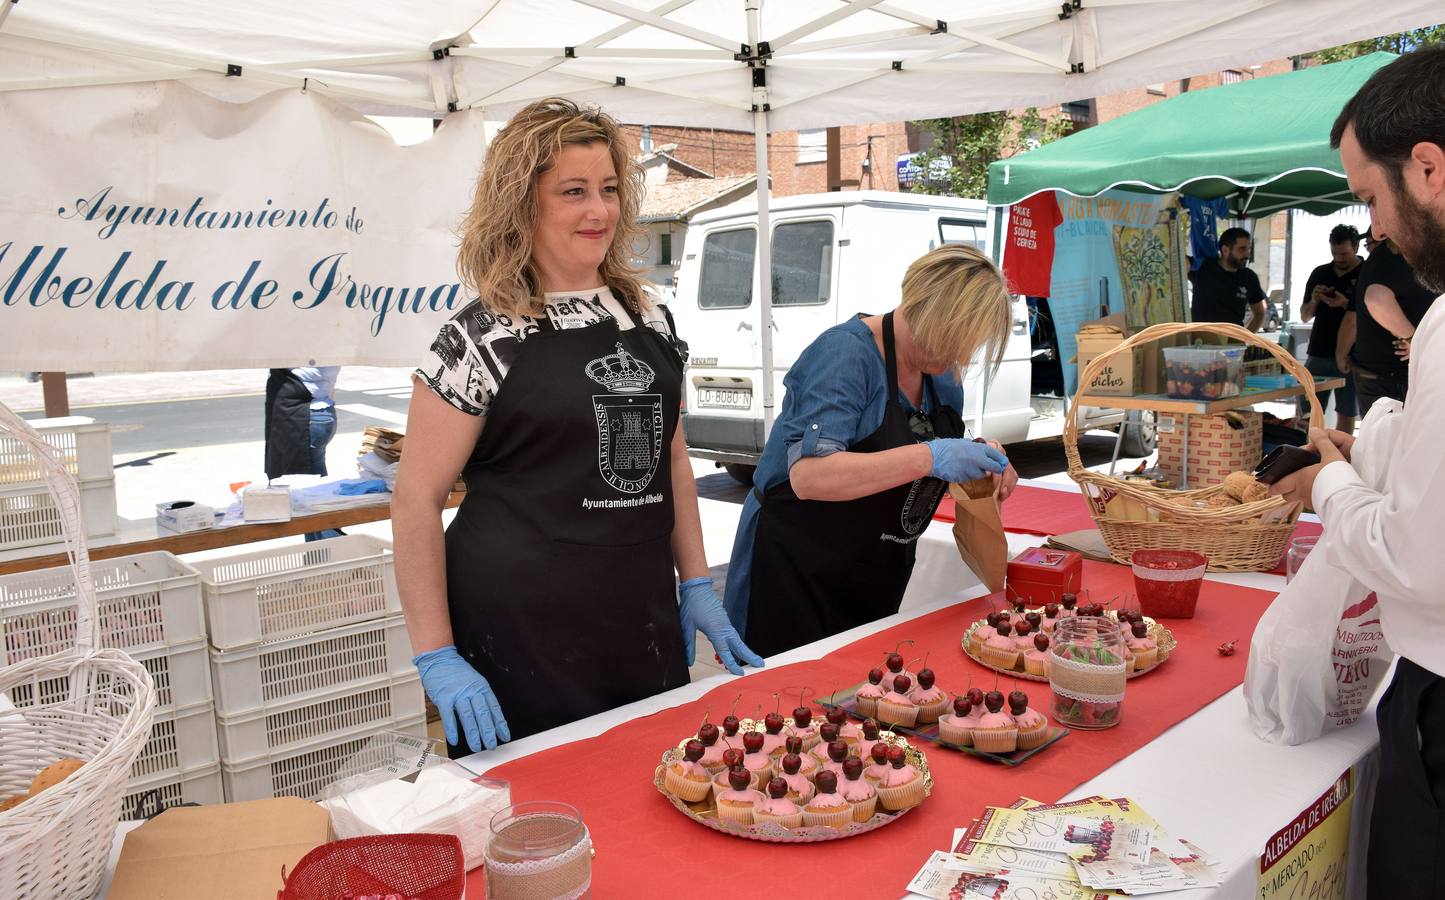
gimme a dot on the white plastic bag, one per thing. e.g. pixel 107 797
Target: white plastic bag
pixel 1319 651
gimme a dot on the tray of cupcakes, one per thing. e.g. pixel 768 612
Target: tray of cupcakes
pixel 973 722
pixel 793 782
pixel 1017 643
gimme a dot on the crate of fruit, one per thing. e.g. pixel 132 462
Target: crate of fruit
pixel 270 595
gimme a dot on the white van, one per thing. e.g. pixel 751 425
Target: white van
pixel 834 255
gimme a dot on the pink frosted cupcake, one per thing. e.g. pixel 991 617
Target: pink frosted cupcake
pixel 999 650
pixel 737 804
pixel 828 806
pixel 859 793
pixel 996 731
pixel 827 734
pixel 931 701
pixel 800 789
pixel 1023 637
pixel 1145 648
pixel 686 779
pixel 869 737
pixel 712 749
pixel 848 731
pixel 1050 618
pixel 901 786
pixel 985 631
pixel 957 727
pixel 866 698
pixel 808 765
pixel 777 809
pixel 773 737
pixel 803 727
pixel 894 708
pixel 879 754
pixel 1036 658
pixel 837 753
pixel 1033 728
pixel 758 763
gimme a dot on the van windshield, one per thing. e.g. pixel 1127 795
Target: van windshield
pixel 726 281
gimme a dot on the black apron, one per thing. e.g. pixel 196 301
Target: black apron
pixel 821 567
pixel 1406 854
pixel 288 425
pixel 559 563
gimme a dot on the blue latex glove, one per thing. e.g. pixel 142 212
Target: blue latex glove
pixel 701 610
pixel 358 486
pixel 960 460
pixel 460 692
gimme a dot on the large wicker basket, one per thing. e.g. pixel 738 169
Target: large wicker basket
pixel 90 704
pixel 1249 537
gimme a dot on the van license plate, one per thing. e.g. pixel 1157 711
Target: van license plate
pixel 725 398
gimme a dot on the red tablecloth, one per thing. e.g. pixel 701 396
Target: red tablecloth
pixel 642 840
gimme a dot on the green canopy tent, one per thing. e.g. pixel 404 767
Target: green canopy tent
pixel 1263 143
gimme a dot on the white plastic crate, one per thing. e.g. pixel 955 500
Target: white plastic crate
pixel 258 679
pixel 150 601
pixel 82 444
pixel 29 516
pixel 182 678
pixel 336 712
pixel 146 796
pixel 275 594
pixel 306 771
pixel 181 740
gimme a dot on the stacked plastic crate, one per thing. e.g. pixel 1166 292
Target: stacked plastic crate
pixel 28 515
pixel 150 607
pixel 310 658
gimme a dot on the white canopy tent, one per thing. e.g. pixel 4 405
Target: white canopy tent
pixel 756 65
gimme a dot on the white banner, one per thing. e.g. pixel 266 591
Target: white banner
pixel 150 227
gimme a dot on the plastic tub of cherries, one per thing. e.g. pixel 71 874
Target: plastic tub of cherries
pixel 791 781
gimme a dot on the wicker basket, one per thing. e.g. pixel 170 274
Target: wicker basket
pixel 57 843
pixel 1249 537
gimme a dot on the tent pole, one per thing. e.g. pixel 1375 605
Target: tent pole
pixel 758 72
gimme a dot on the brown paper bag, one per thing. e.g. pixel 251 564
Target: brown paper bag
pixel 978 532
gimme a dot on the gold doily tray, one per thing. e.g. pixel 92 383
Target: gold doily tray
pixel 704 812
pixel 1161 635
pixel 844 701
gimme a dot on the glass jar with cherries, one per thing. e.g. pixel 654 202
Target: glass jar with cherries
pixel 1087 672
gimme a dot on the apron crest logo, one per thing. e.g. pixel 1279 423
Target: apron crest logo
pixel 629 421
pixel 923 498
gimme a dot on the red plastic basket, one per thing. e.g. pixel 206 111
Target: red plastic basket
pixel 384 867
pixel 1168 582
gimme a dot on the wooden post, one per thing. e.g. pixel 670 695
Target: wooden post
pixel 57 394
pixel 835 159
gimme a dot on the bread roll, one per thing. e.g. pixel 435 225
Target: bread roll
pixel 54 773
pixel 12 802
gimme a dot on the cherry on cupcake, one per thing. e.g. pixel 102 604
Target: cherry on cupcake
pixel 732 756
pixel 837 751
pixel 1041 641
pixel 753 741
pixel 879 753
pixel 793 744
pixel 870 730
pixel 852 768
pixel 708 734
pixel 901 683
pixel 875 675
pixel 896 757
pixel 975 695
pixel 739 778
pixel 961 706
pixel 1140 630
pixel 792 762
pixel 777 788
pixel 1004 629
pixel 826 782
pixel 692 751
pixel 993 701
pixel 837 716
pixel 828 732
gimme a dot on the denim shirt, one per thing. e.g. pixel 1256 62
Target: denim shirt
pixel 836 395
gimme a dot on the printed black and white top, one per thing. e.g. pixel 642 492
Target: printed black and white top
pixel 476 347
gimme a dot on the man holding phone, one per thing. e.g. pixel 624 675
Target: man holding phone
pixel 1327 292
pixel 1391 137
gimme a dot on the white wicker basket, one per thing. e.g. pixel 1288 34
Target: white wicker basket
pixel 56 843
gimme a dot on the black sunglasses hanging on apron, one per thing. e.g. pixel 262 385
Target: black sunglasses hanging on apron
pixel 821 567
pixel 560 576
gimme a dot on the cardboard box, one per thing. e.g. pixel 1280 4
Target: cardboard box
pixel 1118 375
pixel 1216 448
pixel 182 516
pixel 228 851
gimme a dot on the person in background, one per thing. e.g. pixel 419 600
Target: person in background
pixel 1391 137
pixel 1225 287
pixel 1380 323
pixel 1328 291
pixel 300 422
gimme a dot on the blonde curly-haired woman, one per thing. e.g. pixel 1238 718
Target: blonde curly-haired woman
pixel 556 395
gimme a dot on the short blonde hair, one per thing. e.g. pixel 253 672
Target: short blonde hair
pixel 495 258
pixel 956 303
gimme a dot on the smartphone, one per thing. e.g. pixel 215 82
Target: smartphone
pixel 1284 460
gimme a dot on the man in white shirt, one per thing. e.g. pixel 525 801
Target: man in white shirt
pixel 1391 137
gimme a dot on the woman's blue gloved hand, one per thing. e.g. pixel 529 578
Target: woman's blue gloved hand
pixel 960 460
pixel 702 611
pixel 460 692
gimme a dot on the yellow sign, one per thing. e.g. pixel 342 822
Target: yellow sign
pixel 1309 857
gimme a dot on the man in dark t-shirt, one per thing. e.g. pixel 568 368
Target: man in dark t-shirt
pixel 1387 305
pixel 1328 291
pixel 1225 288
